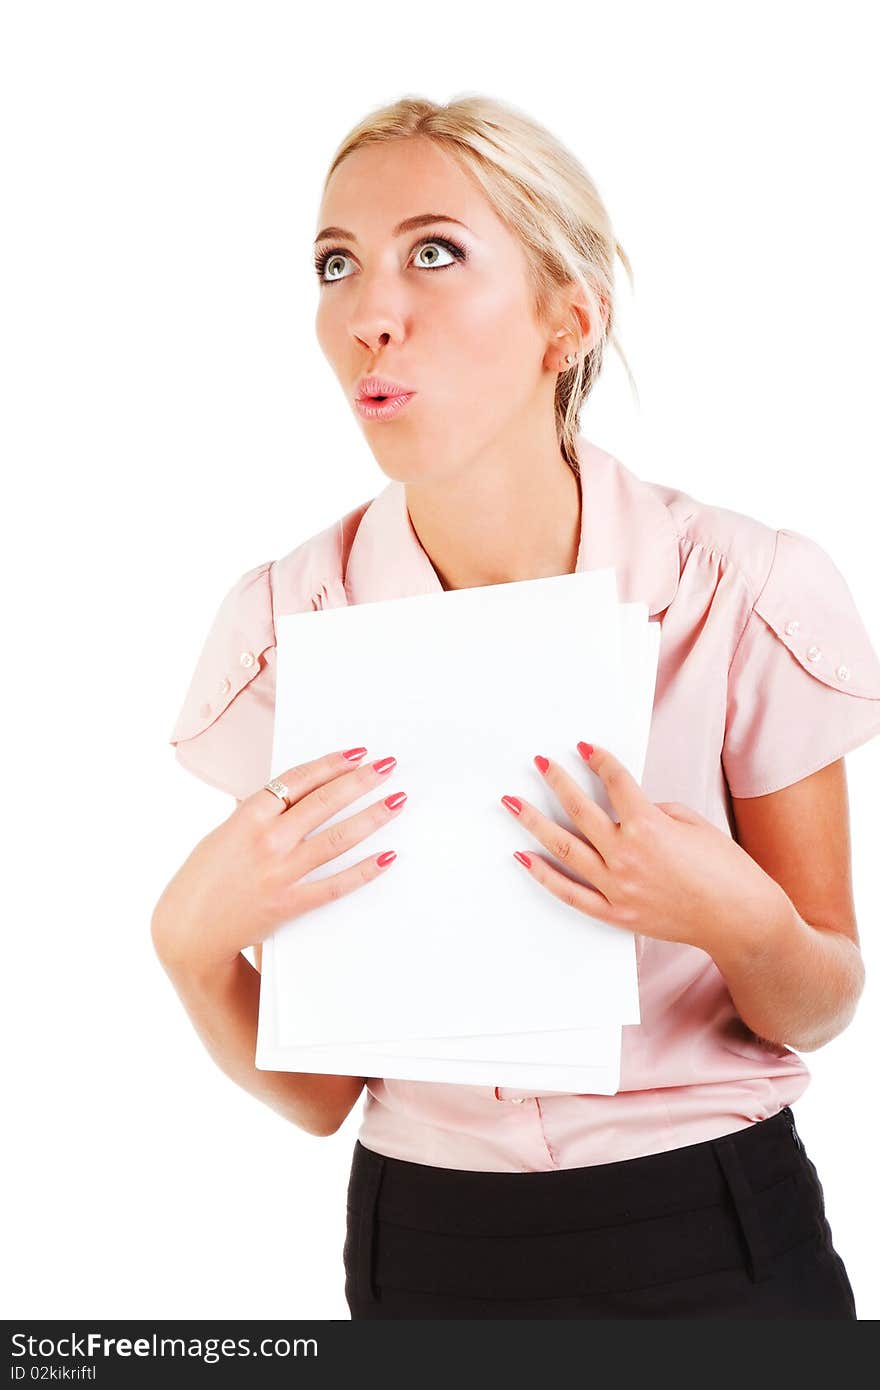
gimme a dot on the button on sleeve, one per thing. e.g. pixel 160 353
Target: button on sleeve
pixel 223 731
pixel 804 683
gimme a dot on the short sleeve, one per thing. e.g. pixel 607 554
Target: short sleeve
pixel 804 683
pixel 223 732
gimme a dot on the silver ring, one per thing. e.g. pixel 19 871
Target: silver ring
pixel 278 789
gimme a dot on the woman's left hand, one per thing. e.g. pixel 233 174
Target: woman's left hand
pixel 664 871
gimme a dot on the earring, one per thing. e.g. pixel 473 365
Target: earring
pixel 571 358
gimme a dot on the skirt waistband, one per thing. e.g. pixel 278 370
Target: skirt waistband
pixel 463 1202
pixel 682 1213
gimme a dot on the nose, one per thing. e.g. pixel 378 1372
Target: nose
pixel 376 312
pixel 373 337
pixel 372 340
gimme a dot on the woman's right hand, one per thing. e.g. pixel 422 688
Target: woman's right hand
pixel 243 879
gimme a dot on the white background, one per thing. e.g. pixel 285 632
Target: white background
pixel 170 422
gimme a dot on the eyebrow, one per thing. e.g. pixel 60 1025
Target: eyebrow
pixel 420 220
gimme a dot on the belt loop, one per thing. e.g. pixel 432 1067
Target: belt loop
pixel 789 1115
pixel 744 1206
pixel 366 1240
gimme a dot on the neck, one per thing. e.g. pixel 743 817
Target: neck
pixel 511 514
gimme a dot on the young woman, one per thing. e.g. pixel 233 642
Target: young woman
pixel 465 263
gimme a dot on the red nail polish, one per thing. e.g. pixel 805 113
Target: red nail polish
pixel 542 764
pixel 513 803
pixel 394 800
pixel 354 753
pixel 585 750
pixel 384 764
pixel 387 858
pixel 523 858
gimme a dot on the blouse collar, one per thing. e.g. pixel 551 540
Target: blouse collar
pixel 624 525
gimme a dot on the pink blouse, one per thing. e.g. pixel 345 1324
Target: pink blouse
pixel 766 674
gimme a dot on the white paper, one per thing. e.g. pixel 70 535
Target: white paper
pixel 515 1059
pixel 451 940
pixel 640 650
pixel 601 1077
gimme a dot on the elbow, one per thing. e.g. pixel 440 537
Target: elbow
pixel 307 1121
pixel 321 1126
pixel 334 1103
pixel 819 1040
pixel 331 1122
pixel 844 1016
pixel 161 942
pixel 162 935
pixel 324 1131
pixel 322 1120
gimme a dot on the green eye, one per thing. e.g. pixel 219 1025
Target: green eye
pixel 455 249
pixel 321 264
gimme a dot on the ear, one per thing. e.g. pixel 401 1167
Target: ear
pixel 591 327
pixel 570 308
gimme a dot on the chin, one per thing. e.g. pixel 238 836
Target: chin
pixel 408 460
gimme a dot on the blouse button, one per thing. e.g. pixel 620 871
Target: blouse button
pixel 247 658
pixel 224 686
pixel 843 673
pixel 792 626
pixel 813 653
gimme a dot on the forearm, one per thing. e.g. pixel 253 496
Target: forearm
pixel 792 983
pixel 223 1006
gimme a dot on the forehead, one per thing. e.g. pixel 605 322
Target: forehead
pixel 377 186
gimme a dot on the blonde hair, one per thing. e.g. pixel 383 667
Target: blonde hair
pixel 548 200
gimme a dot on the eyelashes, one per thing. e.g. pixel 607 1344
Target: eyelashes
pixel 455 249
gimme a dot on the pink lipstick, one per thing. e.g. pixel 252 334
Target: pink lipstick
pixel 382 408
pixel 378 398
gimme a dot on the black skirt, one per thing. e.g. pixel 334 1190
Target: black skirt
pixel 730 1228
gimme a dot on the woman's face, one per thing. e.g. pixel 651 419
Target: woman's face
pixel 460 331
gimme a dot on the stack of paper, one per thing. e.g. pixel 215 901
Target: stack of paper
pixel 455 964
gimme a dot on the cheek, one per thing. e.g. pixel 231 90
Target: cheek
pixel 487 336
pixel 327 331
pixel 496 313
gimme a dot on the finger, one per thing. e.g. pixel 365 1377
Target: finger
pixel 579 806
pixel 679 811
pixel 325 801
pixel 301 779
pixel 573 852
pixel 303 897
pixel 574 894
pixel 624 792
pixel 341 836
